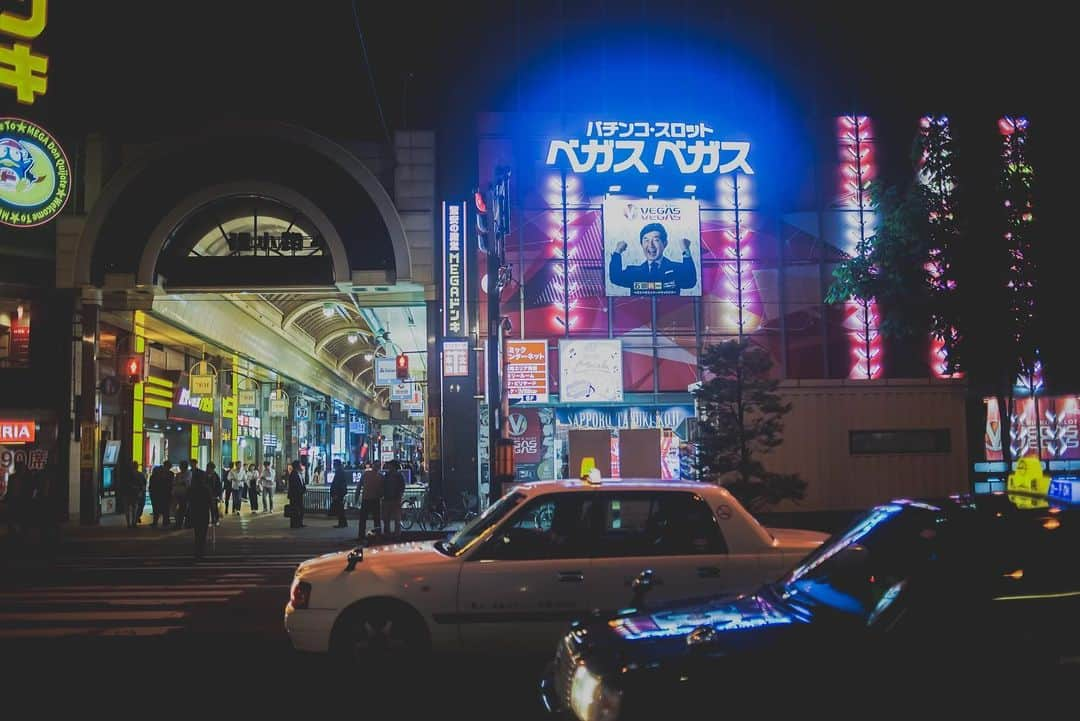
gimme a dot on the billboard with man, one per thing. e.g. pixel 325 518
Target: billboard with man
pixel 652 247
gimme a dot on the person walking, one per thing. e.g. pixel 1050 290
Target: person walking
pixel 213 482
pixel 338 491
pixel 371 494
pixel 136 495
pixel 393 493
pixel 226 487
pixel 198 510
pixel 236 477
pixel 161 493
pixel 251 477
pixel 18 497
pixel 180 485
pixel 266 483
pixel 296 497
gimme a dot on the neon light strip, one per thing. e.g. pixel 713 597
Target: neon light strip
pixel 857 171
pixel 1016 182
pixel 739 288
pixel 935 174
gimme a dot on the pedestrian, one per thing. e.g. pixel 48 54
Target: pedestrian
pixel 393 493
pixel 198 510
pixel 266 483
pixel 370 492
pixel 317 477
pixel 226 487
pixel 236 475
pixel 251 477
pixel 338 491
pixel 136 495
pixel 20 489
pixel 213 482
pixel 296 497
pixel 161 493
pixel 180 485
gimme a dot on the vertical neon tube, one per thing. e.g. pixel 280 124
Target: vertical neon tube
pixel 857 171
pixel 937 177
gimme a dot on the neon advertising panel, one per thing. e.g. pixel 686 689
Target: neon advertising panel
pixel 652 247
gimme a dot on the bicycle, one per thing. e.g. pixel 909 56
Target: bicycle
pixel 464 513
pixel 426 516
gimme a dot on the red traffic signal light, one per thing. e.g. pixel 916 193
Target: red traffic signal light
pixel 402 367
pixel 134 368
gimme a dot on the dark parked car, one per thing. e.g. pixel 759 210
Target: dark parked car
pixel 912 596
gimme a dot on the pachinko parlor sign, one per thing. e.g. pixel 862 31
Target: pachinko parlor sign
pixel 621 146
pixel 35 177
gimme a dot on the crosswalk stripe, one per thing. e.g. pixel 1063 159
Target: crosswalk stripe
pixel 60 632
pixel 75 593
pixel 128 602
pixel 134 588
pixel 8 617
pixel 202 566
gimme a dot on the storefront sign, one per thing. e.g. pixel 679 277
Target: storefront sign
pixel 527 370
pixel 248 399
pixel 431 437
pixel 190 407
pixel 17 431
pixel 385 371
pixel 358 424
pixel 620 146
pixel 279 406
pixel 590 371
pixel 301 413
pixel 35 458
pixel 21 69
pixel 533 433
pixel 625 416
pixel 1051 430
pixel 1065 488
pixel 387 450
pixel 269 440
pixel 400 391
pixel 455 295
pixel 228 407
pixel 455 358
pixel 415 401
pixel 35 178
pixel 19 353
pixel 202 385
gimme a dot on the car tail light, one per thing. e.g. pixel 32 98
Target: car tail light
pixel 300 593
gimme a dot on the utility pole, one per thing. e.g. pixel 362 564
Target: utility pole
pixel 493 225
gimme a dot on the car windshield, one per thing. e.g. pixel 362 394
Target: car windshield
pixel 478 526
pixel 861 570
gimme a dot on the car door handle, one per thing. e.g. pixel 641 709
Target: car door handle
pixel 709 572
pixel 570 576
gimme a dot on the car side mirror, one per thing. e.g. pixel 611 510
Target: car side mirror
pixel 640 586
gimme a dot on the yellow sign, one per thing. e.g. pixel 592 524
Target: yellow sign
pixel 1028 478
pixel 431 438
pixel 202 385
pixel 88 446
pixel 228 408
pixel 248 399
pixel 20 68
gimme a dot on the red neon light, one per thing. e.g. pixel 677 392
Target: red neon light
pixel 857 171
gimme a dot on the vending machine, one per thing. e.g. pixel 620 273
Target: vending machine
pixel 108 475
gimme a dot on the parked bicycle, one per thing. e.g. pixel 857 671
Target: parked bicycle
pixel 422 514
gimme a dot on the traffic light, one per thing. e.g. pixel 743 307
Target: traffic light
pixel 134 369
pixel 483 220
pixel 402 367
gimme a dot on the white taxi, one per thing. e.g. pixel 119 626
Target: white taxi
pixel 545 554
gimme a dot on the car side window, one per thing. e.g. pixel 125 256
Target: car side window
pixel 657 524
pixel 549 527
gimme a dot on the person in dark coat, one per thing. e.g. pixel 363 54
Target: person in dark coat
pixel 213 482
pixel 161 493
pixel 19 499
pixel 296 497
pixel 338 490
pixel 199 501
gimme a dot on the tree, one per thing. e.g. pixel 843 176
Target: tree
pixel 741 418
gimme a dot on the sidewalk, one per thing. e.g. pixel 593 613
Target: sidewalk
pixel 247 526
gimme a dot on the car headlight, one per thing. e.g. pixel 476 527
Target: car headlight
pixel 591 699
pixel 299 593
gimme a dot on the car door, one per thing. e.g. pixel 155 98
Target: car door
pixel 673 533
pixel 523 586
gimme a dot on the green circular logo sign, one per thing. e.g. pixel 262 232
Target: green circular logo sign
pixel 35 178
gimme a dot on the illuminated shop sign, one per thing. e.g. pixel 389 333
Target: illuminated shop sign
pixel 455 309
pixel 652 247
pixel 527 370
pixel 1052 429
pixel 20 68
pixel 34 174
pixel 455 358
pixel 618 146
pixel 17 431
pixel 590 371
pixel 624 417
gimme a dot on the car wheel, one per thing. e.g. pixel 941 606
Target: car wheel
pixel 379 632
